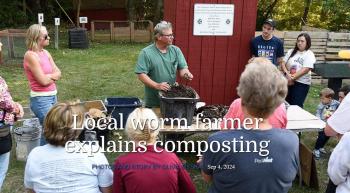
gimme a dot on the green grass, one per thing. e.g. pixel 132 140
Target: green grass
pixel 107 70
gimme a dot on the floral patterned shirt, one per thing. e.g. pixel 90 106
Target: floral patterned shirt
pixel 7 105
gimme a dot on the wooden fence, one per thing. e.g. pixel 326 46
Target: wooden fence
pixel 139 31
pixel 12 41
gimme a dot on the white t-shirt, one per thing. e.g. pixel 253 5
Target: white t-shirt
pixel 339 165
pixel 339 121
pixel 52 169
pixel 298 61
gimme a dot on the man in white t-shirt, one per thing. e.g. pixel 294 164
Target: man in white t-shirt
pixel 338 123
pixel 339 162
pixel 339 165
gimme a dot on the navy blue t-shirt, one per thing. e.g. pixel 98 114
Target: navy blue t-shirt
pixel 250 161
pixel 271 49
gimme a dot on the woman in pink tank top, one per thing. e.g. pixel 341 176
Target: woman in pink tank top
pixel 41 71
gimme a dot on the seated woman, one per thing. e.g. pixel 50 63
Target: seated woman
pixel 152 177
pixel 278 119
pixel 66 165
pixel 256 157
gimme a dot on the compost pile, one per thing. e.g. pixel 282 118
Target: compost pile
pixel 212 111
pixel 96 133
pixel 180 91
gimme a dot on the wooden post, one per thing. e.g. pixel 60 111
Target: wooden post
pixel 132 31
pixel 78 12
pixel 151 29
pixel 56 36
pixel 92 30
pixel 11 48
pixel 111 24
pixel 1 53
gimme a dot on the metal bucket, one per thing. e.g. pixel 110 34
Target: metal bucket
pixel 27 137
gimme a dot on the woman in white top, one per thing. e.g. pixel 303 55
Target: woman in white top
pixel 63 164
pixel 297 66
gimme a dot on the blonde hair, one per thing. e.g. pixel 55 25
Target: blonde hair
pixel 260 60
pixel 33 35
pixel 58 124
pixel 262 88
pixel 142 125
pixel 327 92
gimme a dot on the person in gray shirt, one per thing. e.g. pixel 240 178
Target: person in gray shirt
pixel 256 158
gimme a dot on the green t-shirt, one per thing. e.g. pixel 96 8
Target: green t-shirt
pixel 160 67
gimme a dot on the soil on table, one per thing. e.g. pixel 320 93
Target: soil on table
pixel 180 91
pixel 212 111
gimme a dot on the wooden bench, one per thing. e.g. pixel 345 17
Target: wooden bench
pixel 335 43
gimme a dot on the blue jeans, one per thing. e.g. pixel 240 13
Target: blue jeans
pixel 321 140
pixel 297 94
pixel 4 163
pixel 40 106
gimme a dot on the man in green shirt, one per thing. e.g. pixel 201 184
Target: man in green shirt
pixel 158 63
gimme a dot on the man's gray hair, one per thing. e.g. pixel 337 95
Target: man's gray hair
pixel 158 29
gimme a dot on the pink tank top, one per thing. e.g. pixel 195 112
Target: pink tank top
pixel 46 67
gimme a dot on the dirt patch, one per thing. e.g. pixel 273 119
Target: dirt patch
pixel 180 91
pixel 212 111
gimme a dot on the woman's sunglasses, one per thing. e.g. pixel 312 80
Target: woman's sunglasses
pixel 46 37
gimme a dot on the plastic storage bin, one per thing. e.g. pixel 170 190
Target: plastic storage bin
pixel 78 38
pixel 178 107
pixel 118 106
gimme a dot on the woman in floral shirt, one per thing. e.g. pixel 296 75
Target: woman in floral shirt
pixel 9 112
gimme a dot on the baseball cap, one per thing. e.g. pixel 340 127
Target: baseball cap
pixel 270 22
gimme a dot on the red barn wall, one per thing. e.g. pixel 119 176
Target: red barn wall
pixel 215 61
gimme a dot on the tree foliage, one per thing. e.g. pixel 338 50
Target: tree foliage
pixel 333 15
pixel 11 13
pixel 20 13
pixel 145 10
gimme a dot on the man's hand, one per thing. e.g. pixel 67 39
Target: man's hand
pixel 164 86
pixel 188 76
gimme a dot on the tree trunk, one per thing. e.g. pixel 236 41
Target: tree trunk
pixel 158 12
pixel 306 12
pixel 78 12
pixel 131 10
pixel 270 9
pixel 34 5
pixel 24 4
pixel 324 12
